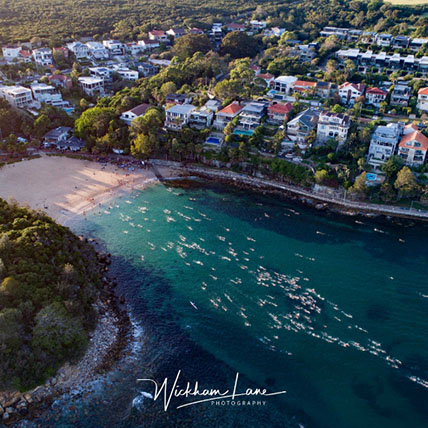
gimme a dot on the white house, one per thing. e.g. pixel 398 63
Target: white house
pixel 274 32
pixel 333 126
pixel 43 57
pixel 423 99
pixel 178 115
pixel 134 48
pixel 11 53
pixel 97 50
pixel 413 148
pixel 114 47
pixel 176 32
pixel 158 35
pixel 101 72
pixel 46 94
pixel 79 50
pixel 251 116
pixel 130 115
pixel 384 143
pixel 284 84
pixel 227 114
pixel 148 44
pixel 17 96
pixel 92 85
pixel 349 92
pixel 125 73
pixel 258 25
pixel 375 96
pixel 56 136
pixel 384 40
pixel 203 118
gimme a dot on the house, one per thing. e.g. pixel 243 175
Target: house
pixel 349 92
pixel 125 73
pixel 43 57
pixel 73 144
pixel 216 32
pixel 251 116
pixel 401 94
pixel 158 35
pixel 375 96
pixel 196 30
pixel 130 115
pixel 114 47
pixel 274 32
pixel 147 45
pixel 201 118
pixel 56 136
pixel 79 50
pixel 178 115
pixel 101 72
pixel 62 50
pixel 413 148
pixel 47 94
pixel 258 25
pixel 176 32
pixel 340 33
pixel 92 85
pixel 178 99
pixel 97 50
pixel 417 43
pixel 15 53
pixel 305 53
pixel 147 69
pixel 384 40
pixel 133 48
pixel 325 89
pixel 255 68
pixel 423 99
pixel 213 105
pixel 235 27
pixel 226 115
pixel 368 37
pixel 284 84
pixel 278 113
pixel 333 126
pixel 302 86
pixel 17 96
pixel 383 143
pixel 61 81
pixel 299 128
pixel 401 42
pixel 267 77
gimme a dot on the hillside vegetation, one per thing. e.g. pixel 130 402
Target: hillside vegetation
pixel 48 282
pixel 21 20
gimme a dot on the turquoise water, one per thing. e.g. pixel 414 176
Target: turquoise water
pixel 332 310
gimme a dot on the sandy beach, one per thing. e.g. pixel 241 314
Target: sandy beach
pixel 65 187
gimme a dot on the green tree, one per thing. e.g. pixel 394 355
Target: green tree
pixel 189 44
pixel 238 44
pixel 406 183
pixel 143 146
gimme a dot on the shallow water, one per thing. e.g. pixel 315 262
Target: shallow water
pixel 219 281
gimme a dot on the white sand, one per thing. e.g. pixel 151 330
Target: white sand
pixel 65 187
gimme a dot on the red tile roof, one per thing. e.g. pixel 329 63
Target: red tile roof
pixel 357 86
pixel 281 108
pixel 423 91
pixel 304 83
pixel 415 136
pixel 266 76
pixel 237 26
pixel 231 109
pixel 376 91
pixel 25 54
pixel 157 32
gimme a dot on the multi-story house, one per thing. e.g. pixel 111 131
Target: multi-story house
pixel 325 89
pixel 267 77
pixel 178 99
pixel 56 136
pixel 401 42
pixel 258 25
pixel 125 73
pixel 79 50
pixel 226 115
pixel 92 85
pixel 147 45
pixel 61 81
pixel 423 99
pixel 401 94
pixel 340 33
pixel 299 128
pixel 233 26
pixel 147 69
pixel 333 126
pixel 43 57
pixel 158 35
pixel 47 94
pixel 251 116
pixel 384 40
pixel 417 43
pixel 130 115
pixel 413 148
pixel 284 84
pixel 97 50
pixel 349 92
pixel 11 53
pixel 375 96
pixel 114 47
pixel 278 113
pixel 178 115
pixel 274 32
pixel 383 143
pixel 201 118
pixel 216 32
pixel 17 96
pixel 304 87
pixel 304 53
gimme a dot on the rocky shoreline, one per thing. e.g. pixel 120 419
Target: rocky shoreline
pixel 106 345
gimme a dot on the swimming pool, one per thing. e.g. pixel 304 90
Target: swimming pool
pixel 213 140
pixel 371 177
pixel 243 132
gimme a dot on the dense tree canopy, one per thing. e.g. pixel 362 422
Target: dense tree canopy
pixel 238 44
pixel 47 286
pixel 189 44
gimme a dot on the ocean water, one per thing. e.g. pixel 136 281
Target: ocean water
pixel 332 310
